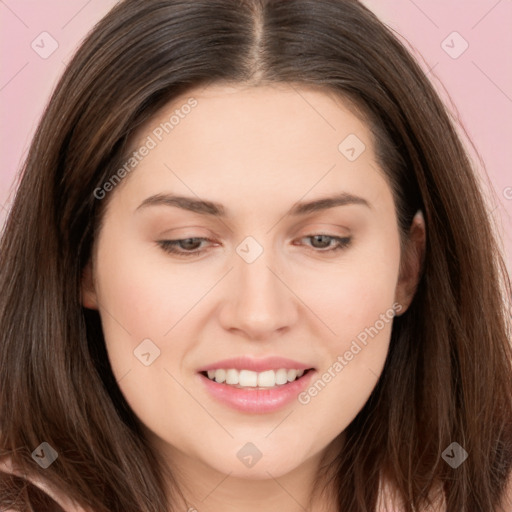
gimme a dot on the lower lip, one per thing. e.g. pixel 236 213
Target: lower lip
pixel 257 400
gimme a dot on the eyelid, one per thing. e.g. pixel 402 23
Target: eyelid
pixel 189 232
pixel 320 227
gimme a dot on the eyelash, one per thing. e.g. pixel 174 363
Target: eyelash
pixel 170 245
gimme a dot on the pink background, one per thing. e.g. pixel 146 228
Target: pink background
pixel 479 81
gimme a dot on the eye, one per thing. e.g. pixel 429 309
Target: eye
pixel 324 242
pixel 189 247
pixel 183 247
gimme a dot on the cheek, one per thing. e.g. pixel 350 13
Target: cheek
pixel 354 291
pixel 139 304
pixel 356 302
pixel 142 294
pixel 351 368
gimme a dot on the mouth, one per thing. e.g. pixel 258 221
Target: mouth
pixel 256 392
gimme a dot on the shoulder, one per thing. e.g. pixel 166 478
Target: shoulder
pixel 7 466
pixel 389 501
pixel 506 504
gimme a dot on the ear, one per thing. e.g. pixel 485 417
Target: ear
pixel 87 289
pixel 411 263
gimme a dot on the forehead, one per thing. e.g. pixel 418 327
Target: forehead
pixel 279 139
pixel 271 113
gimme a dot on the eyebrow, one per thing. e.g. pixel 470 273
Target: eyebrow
pixel 204 207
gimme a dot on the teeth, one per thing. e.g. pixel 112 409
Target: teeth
pixel 267 379
pixel 292 375
pixel 250 379
pixel 281 376
pixel 232 377
pixel 219 375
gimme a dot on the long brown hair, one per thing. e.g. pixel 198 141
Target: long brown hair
pixel 448 374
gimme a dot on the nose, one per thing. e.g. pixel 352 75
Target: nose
pixel 259 301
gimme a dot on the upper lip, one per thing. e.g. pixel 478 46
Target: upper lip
pixel 256 365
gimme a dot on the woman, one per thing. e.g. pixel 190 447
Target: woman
pixel 249 265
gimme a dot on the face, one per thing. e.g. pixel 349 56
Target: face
pixel 292 263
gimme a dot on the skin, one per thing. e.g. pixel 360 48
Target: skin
pixel 257 151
